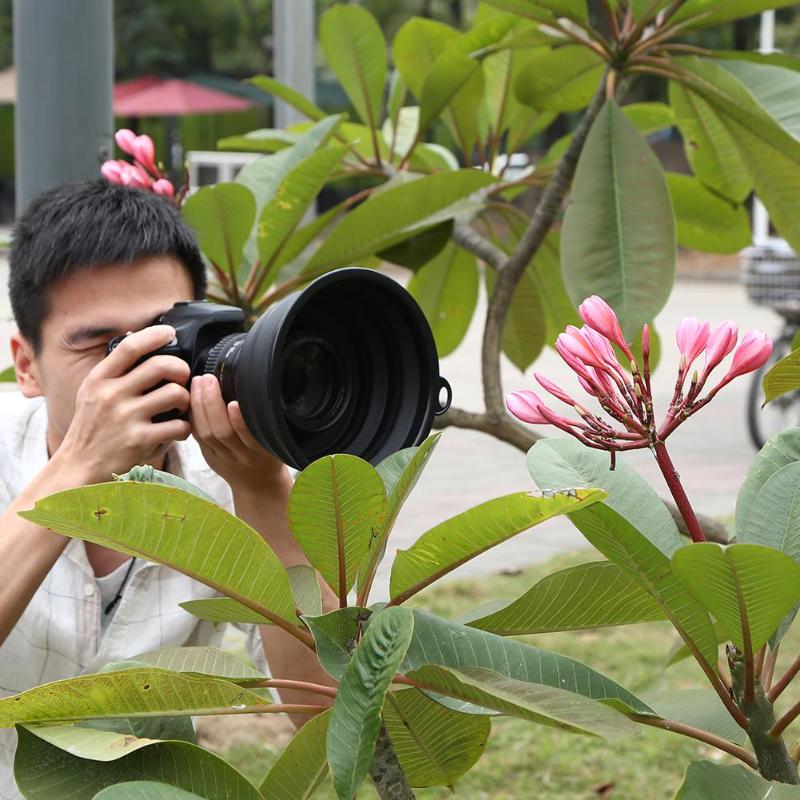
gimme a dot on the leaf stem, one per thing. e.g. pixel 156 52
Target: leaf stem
pixel 784 680
pixel 676 489
pixel 301 686
pixel 785 721
pixel 702 736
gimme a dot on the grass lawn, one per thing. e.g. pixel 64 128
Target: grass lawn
pixel 524 760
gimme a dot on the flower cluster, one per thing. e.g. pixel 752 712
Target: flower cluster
pixel 143 173
pixel 626 397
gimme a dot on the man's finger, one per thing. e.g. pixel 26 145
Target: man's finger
pixel 240 426
pixel 216 412
pixel 132 348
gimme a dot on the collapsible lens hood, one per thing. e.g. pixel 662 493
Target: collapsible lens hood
pixel 347 365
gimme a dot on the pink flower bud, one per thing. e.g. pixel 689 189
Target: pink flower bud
pixel 125 139
pixel 598 314
pixel 692 336
pixel 143 150
pixel 525 405
pixel 752 353
pixel 554 390
pixel 113 172
pixel 645 342
pixel 137 177
pixel 163 187
pixel 721 341
pixel 574 342
pixel 602 347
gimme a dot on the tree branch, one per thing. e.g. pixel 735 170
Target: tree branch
pixel 468 238
pixel 386 772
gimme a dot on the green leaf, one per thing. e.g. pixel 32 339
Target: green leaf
pixel 465 536
pixel 90 743
pixel 148 474
pixel 706 781
pixel 394 214
pixel 618 238
pixel 419 250
pixel 446 289
pixel 705 221
pixel 770 153
pixel 145 790
pixel 264 140
pixel 449 644
pixel 783 377
pixel 124 693
pixel 45 772
pixel 336 635
pixel 337 505
pixel 435 746
pixel 222 217
pixel 747 587
pixel 774 514
pixel 354 47
pixel 202 661
pixel 397 97
pixel 545 705
pixel 282 215
pixel 774 88
pixel 289 95
pixel 417 45
pixel 8 375
pixel 592 595
pixel 700 708
pixel 179 530
pixel 564 79
pixel 650 117
pixel 525 327
pixel 704 13
pixel 709 145
pixel 302 765
pixel 621 543
pixel 540 9
pixel 556 463
pixel 782 449
pixel 356 715
pixel 777 59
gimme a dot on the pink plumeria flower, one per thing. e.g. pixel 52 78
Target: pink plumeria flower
pixel 692 336
pixel 163 187
pixel 525 405
pixel 753 352
pixel 125 139
pixel 721 342
pixel 115 172
pixel 599 315
pixel 144 152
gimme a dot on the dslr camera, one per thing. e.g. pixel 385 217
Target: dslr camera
pixel 346 365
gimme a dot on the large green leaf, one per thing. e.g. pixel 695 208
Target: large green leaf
pixel 704 220
pixel 501 108
pixel 525 327
pixel 776 59
pixel 337 505
pixel 618 237
pixel 222 217
pixel 286 210
pixel 769 151
pixel 435 745
pixel 592 595
pixel 707 781
pixel 336 635
pixel 289 95
pixel 394 214
pixel 419 250
pixel 135 692
pixel 556 463
pixel 417 45
pixel 446 289
pixel 443 643
pixel 783 377
pixel 564 79
pixel 775 88
pixel 356 51
pixel 780 450
pixel 540 9
pixel 747 587
pixel 45 772
pixel 263 140
pixel 400 473
pixel 703 13
pixel 302 765
pixel 356 715
pixel 202 661
pixel 774 514
pixel 179 530
pixel 545 705
pixel 465 536
pixel 621 543
pixel 145 790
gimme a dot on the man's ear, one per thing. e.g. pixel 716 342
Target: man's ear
pixel 26 367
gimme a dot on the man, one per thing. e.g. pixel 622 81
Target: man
pixel 88 262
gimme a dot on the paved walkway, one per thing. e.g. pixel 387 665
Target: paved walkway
pixel 712 451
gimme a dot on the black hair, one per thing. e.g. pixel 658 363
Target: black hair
pixel 79 225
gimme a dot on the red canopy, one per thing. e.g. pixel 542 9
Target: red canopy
pixel 151 96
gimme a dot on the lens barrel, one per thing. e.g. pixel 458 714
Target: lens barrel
pixel 347 365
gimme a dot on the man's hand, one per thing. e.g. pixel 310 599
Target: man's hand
pixel 112 427
pixel 227 444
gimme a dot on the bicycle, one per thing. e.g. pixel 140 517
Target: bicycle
pixel 771 277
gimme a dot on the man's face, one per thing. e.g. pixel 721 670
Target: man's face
pixel 86 310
